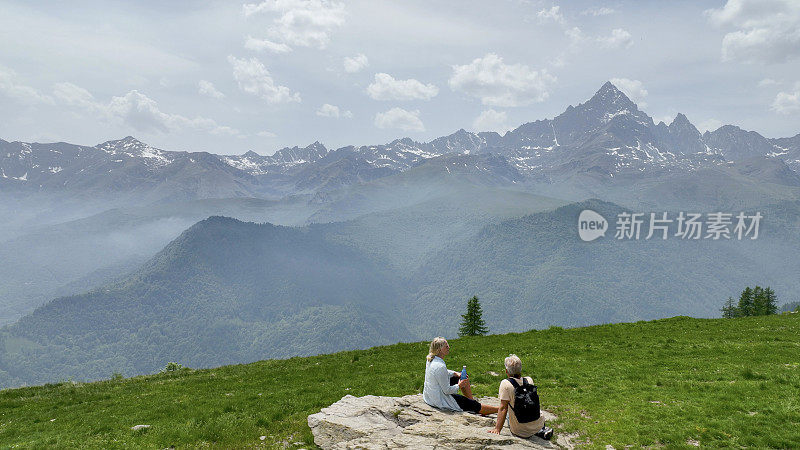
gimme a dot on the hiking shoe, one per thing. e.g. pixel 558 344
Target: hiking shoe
pixel 545 433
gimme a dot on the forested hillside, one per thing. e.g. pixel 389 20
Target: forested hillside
pixel 223 292
pixel 227 291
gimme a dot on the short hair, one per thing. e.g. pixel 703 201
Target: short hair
pixel 513 365
pixel 437 344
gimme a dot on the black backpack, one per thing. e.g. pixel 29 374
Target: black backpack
pixel 526 401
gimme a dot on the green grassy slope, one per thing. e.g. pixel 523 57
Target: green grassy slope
pixel 666 382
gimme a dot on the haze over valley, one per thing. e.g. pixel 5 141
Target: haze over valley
pixel 121 257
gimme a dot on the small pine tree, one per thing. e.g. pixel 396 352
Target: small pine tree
pixel 770 301
pixel 746 302
pixel 729 310
pixel 759 302
pixel 472 323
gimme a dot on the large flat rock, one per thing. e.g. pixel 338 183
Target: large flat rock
pixel 373 422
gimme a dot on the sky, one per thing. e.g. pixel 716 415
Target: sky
pixel 227 77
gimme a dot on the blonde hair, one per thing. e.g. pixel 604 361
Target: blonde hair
pixel 437 344
pixel 513 365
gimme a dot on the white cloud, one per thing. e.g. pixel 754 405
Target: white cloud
pixel 575 35
pixel 328 110
pixel 353 64
pixel 491 120
pixel 619 38
pixel 223 129
pixel 207 88
pixel 12 87
pixel 385 87
pixel 553 14
pixel 767 82
pixel 787 102
pixel 399 118
pixel 255 79
pixel 500 84
pixel 558 62
pixel 137 111
pixel 142 113
pixel 765 31
pixel 708 125
pixel 265 44
pixel 302 23
pixel 597 11
pixel 73 95
pixel 633 89
pixel 266 134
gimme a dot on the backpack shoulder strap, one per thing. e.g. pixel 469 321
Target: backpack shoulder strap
pixel 524 381
pixel 514 382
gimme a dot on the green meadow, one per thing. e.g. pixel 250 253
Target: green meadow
pixel 670 383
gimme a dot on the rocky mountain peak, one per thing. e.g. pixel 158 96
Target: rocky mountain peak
pixel 680 120
pixel 316 151
pixel 681 124
pixel 405 141
pixel 611 99
pixel 128 144
pixel 462 141
pixel 607 104
pixel 296 155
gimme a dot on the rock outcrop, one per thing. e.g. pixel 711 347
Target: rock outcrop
pixel 373 422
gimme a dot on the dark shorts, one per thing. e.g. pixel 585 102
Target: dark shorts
pixel 466 404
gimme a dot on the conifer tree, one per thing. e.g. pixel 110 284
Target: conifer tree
pixel 759 302
pixel 770 301
pixel 472 323
pixel 755 301
pixel 746 302
pixel 729 310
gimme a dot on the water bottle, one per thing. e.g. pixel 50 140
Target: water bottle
pixel 464 373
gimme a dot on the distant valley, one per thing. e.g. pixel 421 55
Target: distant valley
pixel 121 256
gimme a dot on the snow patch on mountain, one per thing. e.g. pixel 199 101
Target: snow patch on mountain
pixel 129 146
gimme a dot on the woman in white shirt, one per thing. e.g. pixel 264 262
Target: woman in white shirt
pixel 441 385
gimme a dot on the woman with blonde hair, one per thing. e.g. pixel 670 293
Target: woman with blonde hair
pixel 441 385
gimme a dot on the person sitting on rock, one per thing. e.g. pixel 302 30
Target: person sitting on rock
pixel 530 422
pixel 441 385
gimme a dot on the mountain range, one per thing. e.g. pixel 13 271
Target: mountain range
pixel 116 258
pixel 605 137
